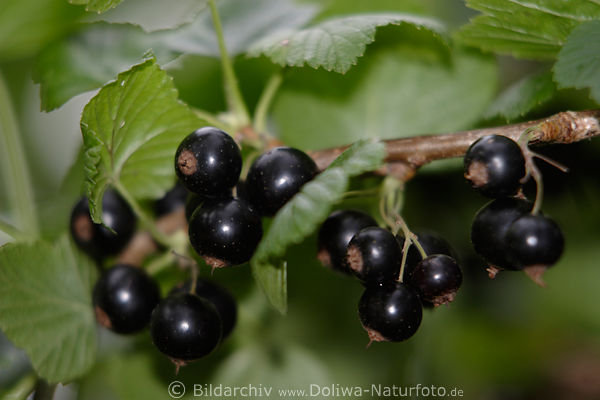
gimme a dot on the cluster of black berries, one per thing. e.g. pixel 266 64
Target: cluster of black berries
pixel 225 229
pixel 506 232
pixel 188 324
pixel 391 307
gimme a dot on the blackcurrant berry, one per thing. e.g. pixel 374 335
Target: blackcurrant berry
pixel 95 239
pixel 208 161
pixel 124 298
pixel 494 165
pixel 172 200
pixel 335 234
pixel 491 223
pixel 276 176
pixel 225 232
pixel 431 242
pixel 391 312
pixel 185 327
pixel 374 255
pixel 220 297
pixel 534 240
pixel 195 200
pixel 437 278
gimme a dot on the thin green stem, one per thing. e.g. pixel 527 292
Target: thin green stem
pixel 11 231
pixel 17 178
pixel 212 120
pixel 265 101
pixel 158 264
pixel 22 389
pixel 233 95
pixel 143 217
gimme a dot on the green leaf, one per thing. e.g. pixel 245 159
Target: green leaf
pixel 26 26
pixel 153 15
pixel 524 95
pixel 526 28
pixel 395 92
pixel 45 306
pixel 98 6
pixel 334 44
pixel 244 23
pixel 305 212
pixel 578 62
pixel 89 59
pixel 131 130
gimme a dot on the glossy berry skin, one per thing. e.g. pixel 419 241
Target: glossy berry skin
pixel 95 239
pixel 431 242
pixel 335 234
pixel 220 297
pixel 490 226
pixel 225 232
pixel 436 278
pixel 534 240
pixel 494 165
pixel 208 161
pixel 124 298
pixel 276 176
pixel 193 201
pixel 374 256
pixel 391 312
pixel 185 327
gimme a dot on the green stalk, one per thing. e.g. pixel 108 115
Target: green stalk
pixel 264 103
pixel 12 231
pixel 212 119
pixel 146 221
pixel 17 179
pixel 232 90
pixel 22 389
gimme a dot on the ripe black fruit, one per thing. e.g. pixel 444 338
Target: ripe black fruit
pixel 494 165
pixel 491 223
pixel 432 243
pixel 95 239
pixel 534 240
pixel 124 298
pixel 391 312
pixel 220 297
pixel 225 232
pixel 437 278
pixel 335 234
pixel 185 327
pixel 208 161
pixel 276 176
pixel 374 256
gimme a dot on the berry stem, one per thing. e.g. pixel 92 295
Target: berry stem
pixel 146 220
pixel 265 101
pixel 15 171
pixel 212 119
pixel 234 97
pixel 158 264
pixel 11 231
pixel 22 389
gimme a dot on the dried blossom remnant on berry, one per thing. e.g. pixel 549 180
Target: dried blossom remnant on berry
pixel 354 258
pixel 324 257
pixel 83 227
pixel 188 165
pixel 477 174
pixel 102 318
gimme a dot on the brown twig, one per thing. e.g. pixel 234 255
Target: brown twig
pixel 405 156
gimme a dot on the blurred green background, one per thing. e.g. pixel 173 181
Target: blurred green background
pixel 501 339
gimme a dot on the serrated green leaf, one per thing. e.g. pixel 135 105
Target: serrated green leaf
pixel 131 130
pixel 45 306
pixel 89 59
pixel 521 97
pixel 393 93
pixel 334 44
pixel 153 15
pixel 526 28
pixel 578 62
pixel 303 214
pixel 98 6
